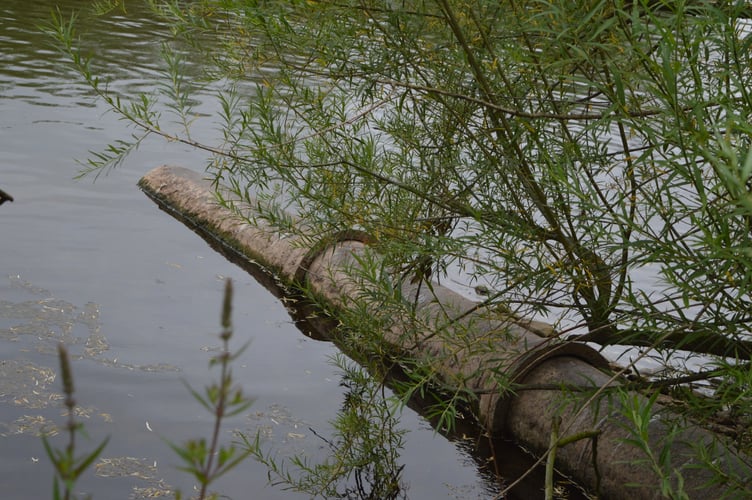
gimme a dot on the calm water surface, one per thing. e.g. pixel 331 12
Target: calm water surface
pixel 136 295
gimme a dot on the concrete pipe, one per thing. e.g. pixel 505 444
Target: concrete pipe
pixel 509 348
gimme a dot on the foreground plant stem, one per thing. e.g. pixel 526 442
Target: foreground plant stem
pixel 68 469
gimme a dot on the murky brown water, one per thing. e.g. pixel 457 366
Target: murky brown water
pixel 136 295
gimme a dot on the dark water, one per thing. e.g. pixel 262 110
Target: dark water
pixel 136 295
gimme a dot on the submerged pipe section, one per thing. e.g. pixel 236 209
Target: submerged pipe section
pixel 477 347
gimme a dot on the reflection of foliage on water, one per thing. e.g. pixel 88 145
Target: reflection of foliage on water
pixel 45 321
pixel 38 325
pixel 364 451
pixel 42 323
pixel 278 425
pixel 36 425
pixel 48 320
pixel 139 468
pixel 25 384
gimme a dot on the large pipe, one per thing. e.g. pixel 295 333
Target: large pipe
pixel 476 349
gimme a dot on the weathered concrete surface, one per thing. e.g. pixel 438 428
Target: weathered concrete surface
pixel 475 349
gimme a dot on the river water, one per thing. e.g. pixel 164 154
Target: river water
pixel 136 295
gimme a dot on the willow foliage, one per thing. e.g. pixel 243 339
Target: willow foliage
pixel 585 161
pixel 588 160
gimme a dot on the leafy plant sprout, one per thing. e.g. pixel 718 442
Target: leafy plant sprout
pixel 208 460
